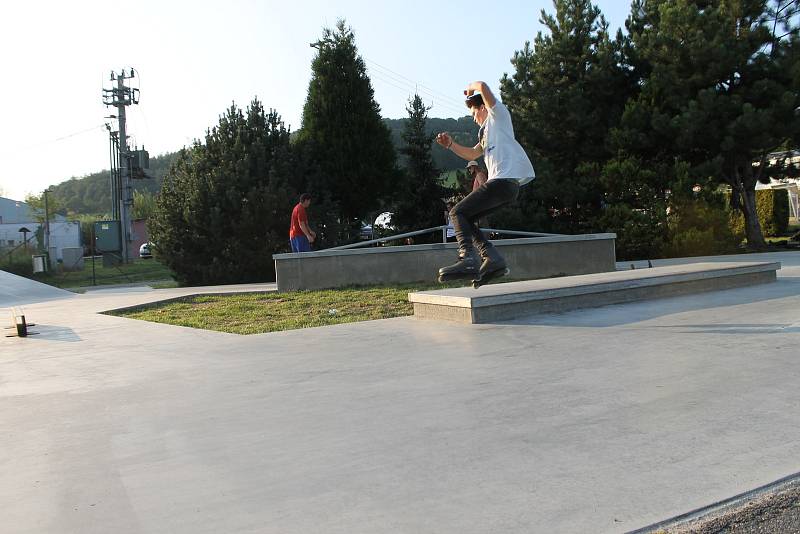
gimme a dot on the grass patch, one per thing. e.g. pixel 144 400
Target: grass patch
pixel 258 313
pixel 138 270
pixel 165 285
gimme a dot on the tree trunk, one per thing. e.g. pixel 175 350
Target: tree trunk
pixel 744 186
pixel 752 226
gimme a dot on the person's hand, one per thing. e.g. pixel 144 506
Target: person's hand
pixel 444 139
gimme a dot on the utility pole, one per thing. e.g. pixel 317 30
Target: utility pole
pixel 113 154
pixel 120 97
pixel 46 223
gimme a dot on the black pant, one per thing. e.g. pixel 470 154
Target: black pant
pixel 489 197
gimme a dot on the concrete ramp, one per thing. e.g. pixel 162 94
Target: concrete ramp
pixel 18 291
pixel 519 299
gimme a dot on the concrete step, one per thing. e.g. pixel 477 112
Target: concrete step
pixel 497 302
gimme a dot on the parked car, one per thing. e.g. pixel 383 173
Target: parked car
pixel 145 252
pixel 380 228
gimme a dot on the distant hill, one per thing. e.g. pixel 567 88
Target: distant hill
pixel 463 130
pixel 91 194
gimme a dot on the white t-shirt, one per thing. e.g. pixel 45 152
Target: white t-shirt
pixel 504 157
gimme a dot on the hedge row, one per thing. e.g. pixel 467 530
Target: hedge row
pixel 772 206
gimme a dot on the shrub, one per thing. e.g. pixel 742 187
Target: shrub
pixel 640 233
pixel 698 227
pixel 772 206
pixel 224 207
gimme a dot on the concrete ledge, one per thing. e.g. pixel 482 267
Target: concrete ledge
pixel 538 257
pixel 518 299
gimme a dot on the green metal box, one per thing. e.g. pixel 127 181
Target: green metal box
pixel 107 236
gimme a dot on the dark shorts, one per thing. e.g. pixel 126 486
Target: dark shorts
pixel 300 244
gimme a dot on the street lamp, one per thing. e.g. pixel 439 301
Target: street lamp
pixel 24 231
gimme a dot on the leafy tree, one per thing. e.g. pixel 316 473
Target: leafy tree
pixel 566 93
pixel 419 204
pixel 343 131
pixel 37 204
pixel 224 206
pixel 144 203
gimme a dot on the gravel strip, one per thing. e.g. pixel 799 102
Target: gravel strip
pixel 772 509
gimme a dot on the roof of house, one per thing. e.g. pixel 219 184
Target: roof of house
pixel 15 211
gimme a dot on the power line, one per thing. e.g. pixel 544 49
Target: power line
pixel 407 89
pixel 393 78
pixel 410 89
pixel 415 83
pixel 57 139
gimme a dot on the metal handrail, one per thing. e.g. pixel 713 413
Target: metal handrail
pixel 519 232
pixel 434 229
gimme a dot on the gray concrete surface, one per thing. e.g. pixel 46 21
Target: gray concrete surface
pixel 601 420
pixel 17 291
pixel 537 257
pixel 510 300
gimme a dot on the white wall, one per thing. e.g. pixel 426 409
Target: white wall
pixel 62 234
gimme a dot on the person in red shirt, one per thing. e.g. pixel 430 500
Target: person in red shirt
pixel 300 235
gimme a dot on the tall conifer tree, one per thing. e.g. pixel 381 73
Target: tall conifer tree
pixel 420 202
pixel 565 94
pixel 343 131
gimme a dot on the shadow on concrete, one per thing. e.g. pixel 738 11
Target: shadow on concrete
pixel 785 287
pixel 733 328
pixel 48 332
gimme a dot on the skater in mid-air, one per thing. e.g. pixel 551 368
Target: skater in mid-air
pixel 508 167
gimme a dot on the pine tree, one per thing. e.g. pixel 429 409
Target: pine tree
pixel 419 204
pixel 716 96
pixel 566 93
pixel 343 131
pixel 224 206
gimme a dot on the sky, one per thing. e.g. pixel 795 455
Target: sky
pixel 194 58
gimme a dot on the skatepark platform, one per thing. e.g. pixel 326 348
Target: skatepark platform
pixel 513 300
pixel 537 257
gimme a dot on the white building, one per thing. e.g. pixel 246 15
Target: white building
pixel 792 185
pixel 15 215
pixel 15 211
